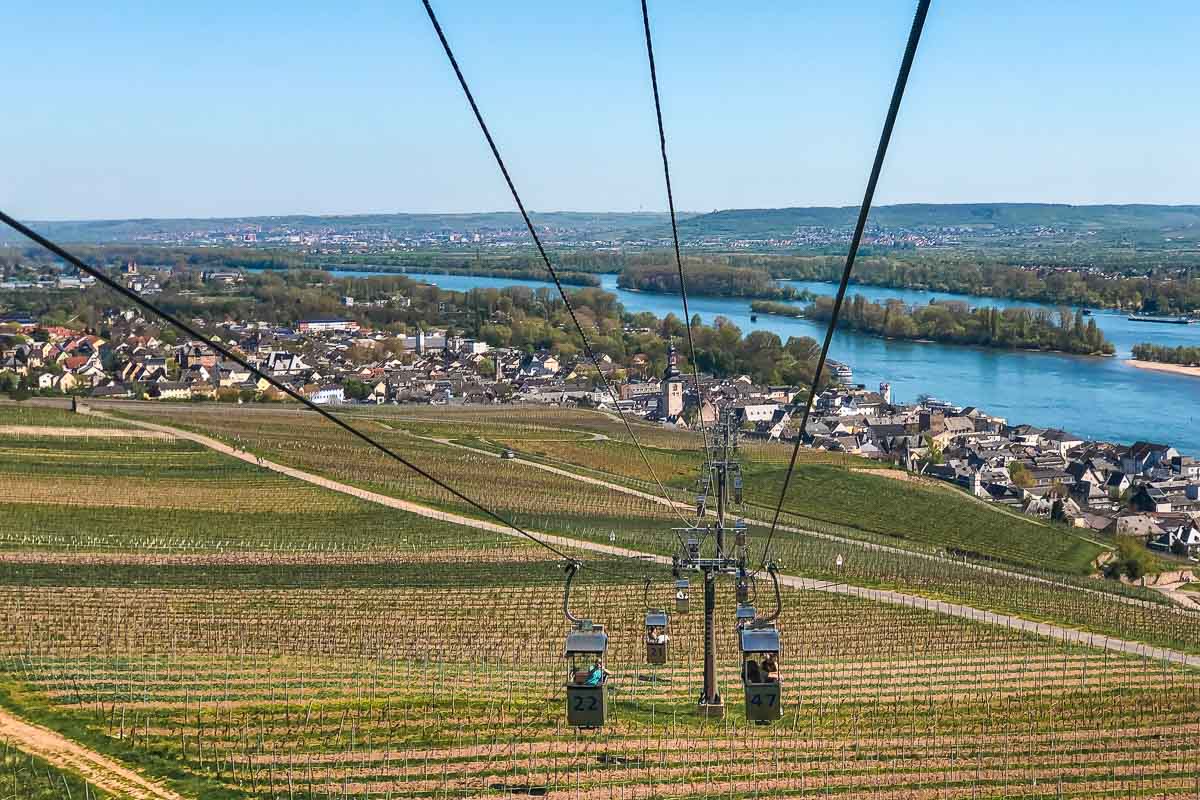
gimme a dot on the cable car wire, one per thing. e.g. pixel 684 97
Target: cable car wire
pixel 910 51
pixel 537 241
pixel 129 294
pixel 662 142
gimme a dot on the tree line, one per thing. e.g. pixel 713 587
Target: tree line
pixel 537 320
pixel 1185 356
pixel 705 278
pixel 955 322
pixel 571 268
pixel 778 309
pixel 1172 292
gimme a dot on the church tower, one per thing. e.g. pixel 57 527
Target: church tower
pixel 670 401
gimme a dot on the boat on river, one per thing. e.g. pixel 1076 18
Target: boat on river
pixel 840 370
pixel 1161 320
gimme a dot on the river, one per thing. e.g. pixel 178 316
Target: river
pixel 1097 398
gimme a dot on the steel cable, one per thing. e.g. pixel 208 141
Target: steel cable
pixel 537 241
pixel 662 142
pixel 228 353
pixel 906 63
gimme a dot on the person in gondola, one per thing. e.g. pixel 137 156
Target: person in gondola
pixel 656 635
pixel 770 668
pixel 596 674
pixel 753 674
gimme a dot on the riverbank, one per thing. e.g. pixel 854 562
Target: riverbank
pixel 1159 366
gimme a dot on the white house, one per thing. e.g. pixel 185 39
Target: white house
pixel 757 412
pixel 328 395
pixel 1184 537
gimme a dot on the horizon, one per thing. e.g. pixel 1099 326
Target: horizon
pixel 650 212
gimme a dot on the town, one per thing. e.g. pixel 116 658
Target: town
pixel 1146 490
pixel 406 233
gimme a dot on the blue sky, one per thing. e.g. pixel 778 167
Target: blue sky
pixel 165 109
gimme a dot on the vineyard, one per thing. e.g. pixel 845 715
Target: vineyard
pixel 822 493
pixel 453 689
pixel 238 633
pixel 534 497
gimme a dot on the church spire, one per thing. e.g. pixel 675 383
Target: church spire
pixel 670 402
pixel 672 364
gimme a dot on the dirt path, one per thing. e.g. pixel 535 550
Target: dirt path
pixel 877 595
pixel 80 433
pixel 100 771
pixel 898 475
pixel 1185 599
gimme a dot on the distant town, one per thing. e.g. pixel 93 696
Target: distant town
pixel 798 229
pixel 339 239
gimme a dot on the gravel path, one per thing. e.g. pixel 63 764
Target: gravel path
pixel 65 754
pixel 80 433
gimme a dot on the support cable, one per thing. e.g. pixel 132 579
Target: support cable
pixel 910 52
pixel 226 352
pixel 662 143
pixel 537 241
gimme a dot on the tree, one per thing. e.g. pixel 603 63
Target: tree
pixel 357 390
pixel 1019 474
pixel 1132 560
pixel 22 391
pixel 935 450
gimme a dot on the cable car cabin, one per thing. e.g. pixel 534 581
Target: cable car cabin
pixel 587 679
pixel 739 532
pixel 656 636
pixel 760 672
pixel 681 595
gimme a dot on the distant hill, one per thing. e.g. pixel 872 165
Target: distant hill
pixel 998 222
pixel 980 217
